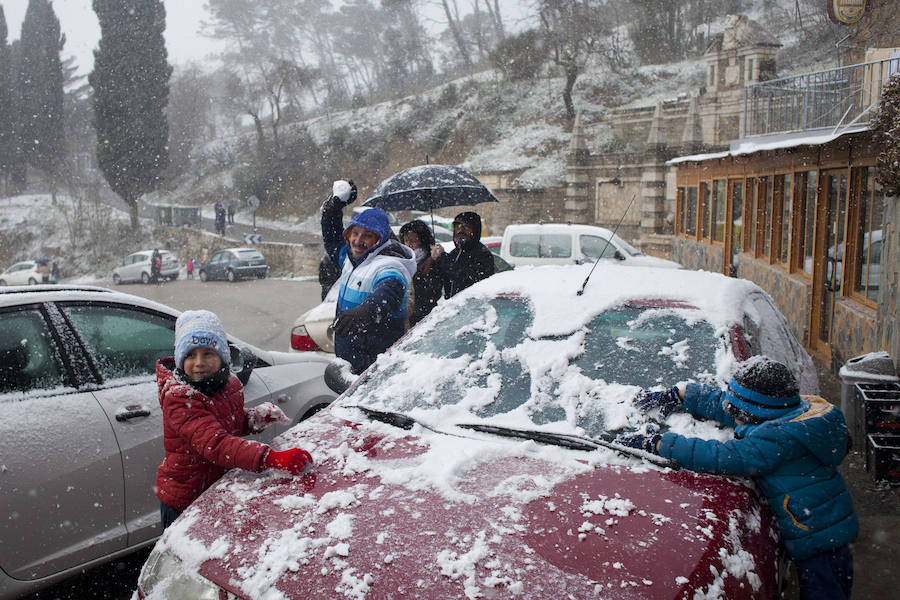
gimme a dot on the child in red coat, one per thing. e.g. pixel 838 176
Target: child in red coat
pixel 204 415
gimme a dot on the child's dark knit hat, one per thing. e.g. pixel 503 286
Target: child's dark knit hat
pixel 764 388
pixel 196 328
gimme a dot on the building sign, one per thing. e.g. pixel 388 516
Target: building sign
pixel 845 11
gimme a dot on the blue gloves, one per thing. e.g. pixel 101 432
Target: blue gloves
pixel 667 401
pixel 646 442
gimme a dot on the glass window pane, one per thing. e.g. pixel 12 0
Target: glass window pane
pixel 807 242
pixel 556 245
pixel 750 215
pixel 867 278
pixel 787 203
pixel 718 210
pixel 124 342
pixel 592 245
pixel 690 213
pixel 765 213
pixel 737 208
pixel 28 354
pixel 525 245
pixel 704 209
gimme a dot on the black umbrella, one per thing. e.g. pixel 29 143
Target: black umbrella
pixel 427 187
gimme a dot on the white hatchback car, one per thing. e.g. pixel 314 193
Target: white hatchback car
pixel 22 273
pixel 565 244
pixel 136 267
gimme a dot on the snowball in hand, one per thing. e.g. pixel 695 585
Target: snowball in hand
pixel 341 189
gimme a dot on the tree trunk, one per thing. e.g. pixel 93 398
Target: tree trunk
pixel 133 213
pixel 457 36
pixel 571 76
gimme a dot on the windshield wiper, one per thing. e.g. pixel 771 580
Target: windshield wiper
pixel 565 440
pixel 391 418
pixel 545 437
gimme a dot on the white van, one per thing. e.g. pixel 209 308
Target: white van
pixel 563 244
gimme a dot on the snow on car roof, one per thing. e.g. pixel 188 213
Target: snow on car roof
pixel 559 310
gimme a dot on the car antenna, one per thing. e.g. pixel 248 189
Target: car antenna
pixel 597 262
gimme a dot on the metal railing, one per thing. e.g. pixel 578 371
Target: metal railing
pixel 816 100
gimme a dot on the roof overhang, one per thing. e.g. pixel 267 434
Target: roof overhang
pixel 760 143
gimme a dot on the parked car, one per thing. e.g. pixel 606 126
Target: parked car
pixel 137 267
pixel 233 264
pixel 471 459
pixel 560 244
pixel 81 431
pixel 311 331
pixel 27 272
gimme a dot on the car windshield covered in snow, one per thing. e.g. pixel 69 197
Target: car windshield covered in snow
pixel 491 369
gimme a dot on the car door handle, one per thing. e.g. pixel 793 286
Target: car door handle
pixel 131 414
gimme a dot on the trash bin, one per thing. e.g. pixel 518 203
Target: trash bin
pixel 871 371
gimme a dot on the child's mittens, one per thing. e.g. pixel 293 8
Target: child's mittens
pixel 293 460
pixel 261 416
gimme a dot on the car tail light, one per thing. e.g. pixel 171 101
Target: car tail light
pixel 300 340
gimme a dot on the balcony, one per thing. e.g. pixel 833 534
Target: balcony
pixel 824 99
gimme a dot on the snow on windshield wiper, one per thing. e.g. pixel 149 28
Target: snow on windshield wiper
pixel 391 418
pixel 565 440
pixel 557 439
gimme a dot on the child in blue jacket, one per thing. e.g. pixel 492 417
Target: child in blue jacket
pixel 790 445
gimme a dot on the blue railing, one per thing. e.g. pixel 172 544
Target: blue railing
pixel 816 100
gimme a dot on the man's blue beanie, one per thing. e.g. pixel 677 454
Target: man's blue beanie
pixel 200 328
pixel 373 219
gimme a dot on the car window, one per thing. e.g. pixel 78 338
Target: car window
pixel 594 245
pixel 123 341
pixel 28 354
pixel 249 255
pixel 483 362
pixel 541 245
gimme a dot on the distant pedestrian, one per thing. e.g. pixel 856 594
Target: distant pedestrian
pixel 231 212
pixel 189 267
pixel 220 218
pixel 155 266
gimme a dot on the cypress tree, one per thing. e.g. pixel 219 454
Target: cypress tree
pixel 41 88
pixel 131 89
pixel 6 117
pixel 41 85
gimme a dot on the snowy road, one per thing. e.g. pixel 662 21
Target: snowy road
pixel 258 311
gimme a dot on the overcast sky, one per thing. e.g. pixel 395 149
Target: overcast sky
pixel 183 17
pixel 79 23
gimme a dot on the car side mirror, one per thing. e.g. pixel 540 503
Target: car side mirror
pixel 242 363
pixel 335 379
pixel 618 255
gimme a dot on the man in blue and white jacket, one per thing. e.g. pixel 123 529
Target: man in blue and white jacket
pixel 791 445
pixel 376 275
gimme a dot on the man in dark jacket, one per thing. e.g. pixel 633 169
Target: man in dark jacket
pixel 470 261
pixel 376 275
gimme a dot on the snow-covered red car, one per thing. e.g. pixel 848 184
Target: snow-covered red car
pixel 471 460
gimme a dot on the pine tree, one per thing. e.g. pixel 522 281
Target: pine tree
pixel 41 86
pixel 131 90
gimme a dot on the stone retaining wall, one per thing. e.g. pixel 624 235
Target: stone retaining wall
pixel 293 260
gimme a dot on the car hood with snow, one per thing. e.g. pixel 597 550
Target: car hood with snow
pixel 388 513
